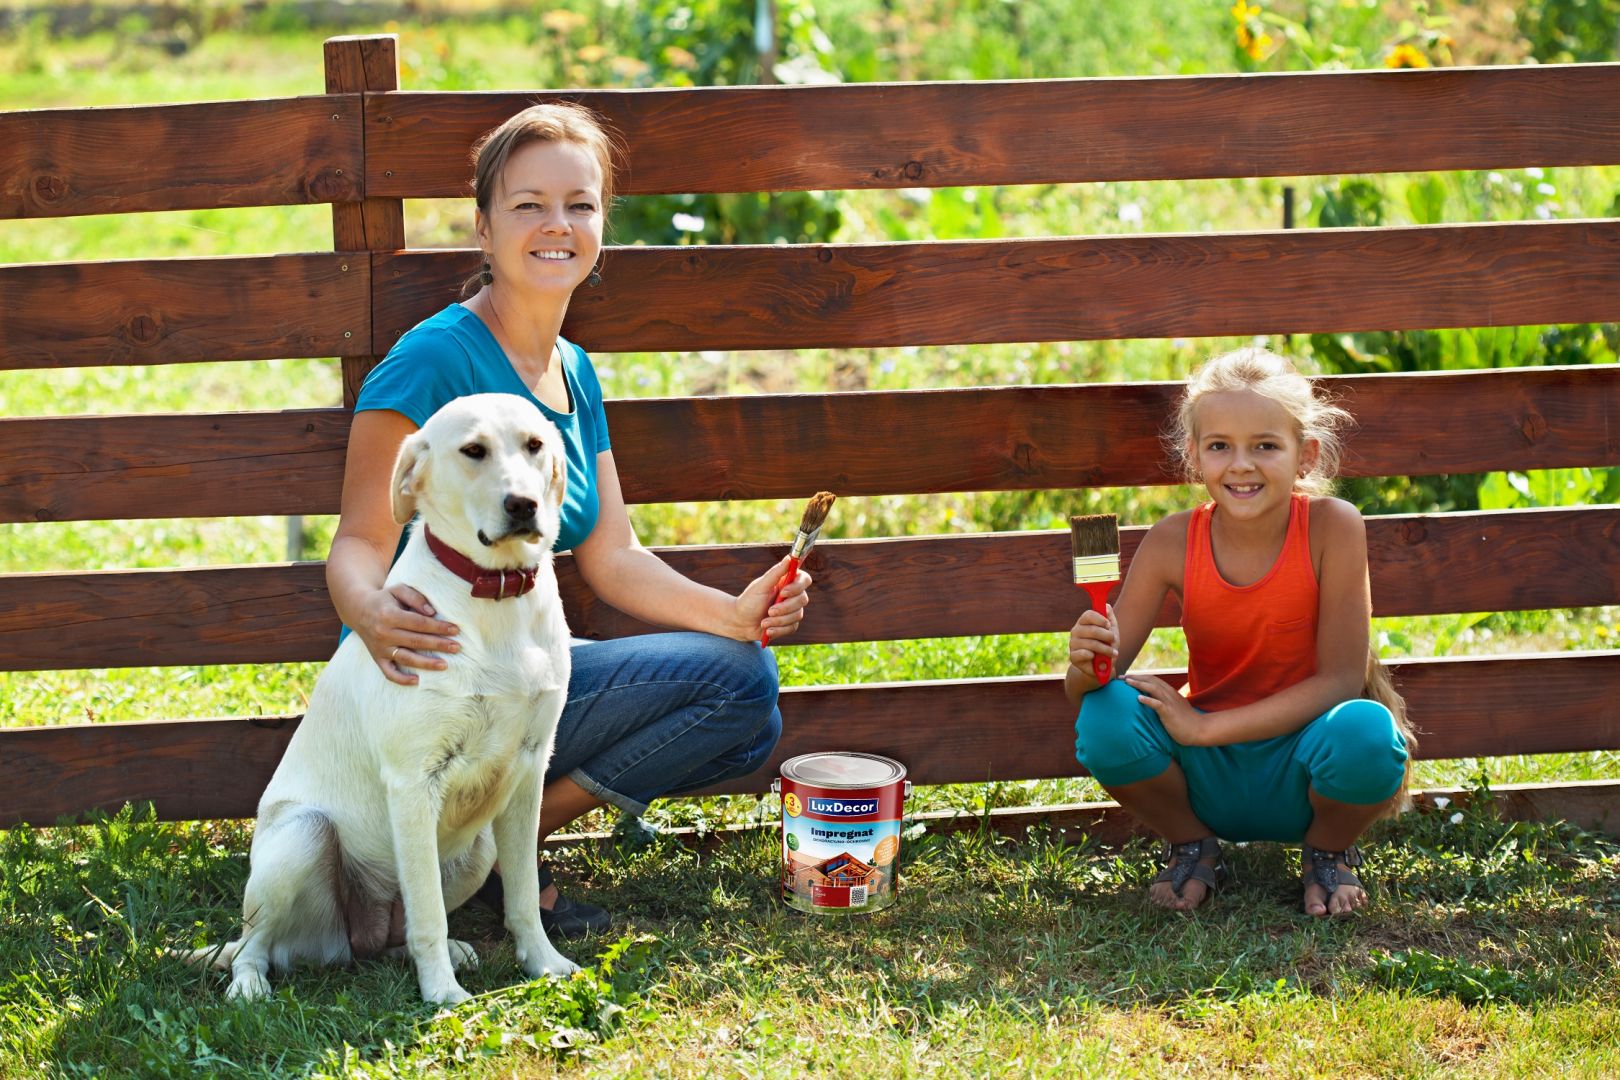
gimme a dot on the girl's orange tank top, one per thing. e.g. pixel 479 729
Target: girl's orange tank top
pixel 1247 643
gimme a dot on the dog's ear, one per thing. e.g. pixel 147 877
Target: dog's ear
pixel 410 472
pixel 559 480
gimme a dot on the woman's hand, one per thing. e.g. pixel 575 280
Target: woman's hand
pixel 757 615
pixel 1094 634
pixel 399 629
pixel 1185 724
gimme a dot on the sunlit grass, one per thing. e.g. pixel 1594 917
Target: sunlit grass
pixel 1490 949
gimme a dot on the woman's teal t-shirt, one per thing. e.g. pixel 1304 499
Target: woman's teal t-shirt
pixel 453 354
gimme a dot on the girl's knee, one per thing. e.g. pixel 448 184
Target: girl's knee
pixel 1361 757
pixel 1363 726
pixel 1118 739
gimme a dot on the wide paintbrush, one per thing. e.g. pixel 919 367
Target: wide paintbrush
pixel 1094 539
pixel 815 515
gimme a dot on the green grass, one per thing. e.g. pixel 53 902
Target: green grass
pixel 1491 949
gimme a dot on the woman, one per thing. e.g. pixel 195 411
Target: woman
pixel 646 716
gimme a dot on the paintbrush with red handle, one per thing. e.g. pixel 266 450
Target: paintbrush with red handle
pixel 1094 539
pixel 815 515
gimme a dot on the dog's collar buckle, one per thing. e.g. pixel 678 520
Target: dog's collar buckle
pixel 499 584
pixel 486 584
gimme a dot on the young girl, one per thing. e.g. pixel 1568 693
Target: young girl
pixel 1276 738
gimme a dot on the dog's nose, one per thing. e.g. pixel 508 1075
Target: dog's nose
pixel 520 509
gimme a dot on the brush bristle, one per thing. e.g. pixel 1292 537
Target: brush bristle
pixel 816 512
pixel 1094 534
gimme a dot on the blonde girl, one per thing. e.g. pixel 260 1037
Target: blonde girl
pixel 1288 730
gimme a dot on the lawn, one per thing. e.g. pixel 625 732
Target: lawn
pixel 1492 948
pixel 1491 951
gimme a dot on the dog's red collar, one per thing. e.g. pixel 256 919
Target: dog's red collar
pixel 486 584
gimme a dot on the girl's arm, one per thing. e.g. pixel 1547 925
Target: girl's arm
pixel 1344 615
pixel 397 625
pixel 626 575
pixel 1154 569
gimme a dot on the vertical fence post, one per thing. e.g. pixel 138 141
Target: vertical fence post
pixel 364 65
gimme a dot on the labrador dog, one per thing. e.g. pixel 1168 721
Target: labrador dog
pixel 392 793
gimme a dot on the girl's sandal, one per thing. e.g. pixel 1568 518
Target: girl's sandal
pixel 1185 862
pixel 1322 868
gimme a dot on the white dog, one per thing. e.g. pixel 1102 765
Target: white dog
pixel 413 792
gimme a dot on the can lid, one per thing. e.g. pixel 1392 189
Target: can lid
pixel 843 769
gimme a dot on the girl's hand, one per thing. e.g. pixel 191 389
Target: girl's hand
pixel 1185 724
pixel 757 615
pixel 399 629
pixel 1093 635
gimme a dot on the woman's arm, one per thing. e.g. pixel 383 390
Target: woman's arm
pixel 1344 616
pixel 396 625
pixel 626 575
pixel 1121 635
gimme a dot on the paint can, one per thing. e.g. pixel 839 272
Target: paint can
pixel 840 830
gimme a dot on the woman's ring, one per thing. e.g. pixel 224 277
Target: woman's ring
pixel 393 653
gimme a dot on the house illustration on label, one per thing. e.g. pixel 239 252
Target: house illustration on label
pixel 843 870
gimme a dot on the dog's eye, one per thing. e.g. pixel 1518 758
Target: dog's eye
pixel 535 444
pixel 474 450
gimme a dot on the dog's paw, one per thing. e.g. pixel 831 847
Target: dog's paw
pixel 249 985
pixel 462 956
pixel 449 994
pixel 544 960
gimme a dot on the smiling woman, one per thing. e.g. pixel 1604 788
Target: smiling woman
pixel 646 716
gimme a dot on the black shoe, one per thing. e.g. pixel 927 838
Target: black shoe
pixel 567 919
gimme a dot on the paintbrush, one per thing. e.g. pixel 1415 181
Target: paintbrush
pixel 815 515
pixel 1094 539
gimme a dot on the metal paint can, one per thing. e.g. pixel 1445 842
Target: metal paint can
pixel 841 816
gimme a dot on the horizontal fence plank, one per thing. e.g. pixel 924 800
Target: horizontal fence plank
pixel 880 443
pixel 1021 583
pixel 1101 435
pixel 1327 280
pixel 173 311
pixel 946 732
pixel 274 152
pixel 866 590
pixel 1590 804
pixel 88 468
pixel 1038 131
pixel 154 618
pixel 1063 289
pixel 1023 728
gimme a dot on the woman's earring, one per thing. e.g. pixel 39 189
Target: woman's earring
pixel 486 276
pixel 595 277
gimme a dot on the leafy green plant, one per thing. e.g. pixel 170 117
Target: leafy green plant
pixel 1549 487
pixel 714 43
pixel 1562 31
pixel 1421 972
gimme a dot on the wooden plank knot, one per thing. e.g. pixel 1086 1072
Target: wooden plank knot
pixel 50 188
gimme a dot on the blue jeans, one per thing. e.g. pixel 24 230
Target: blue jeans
pixel 662 714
